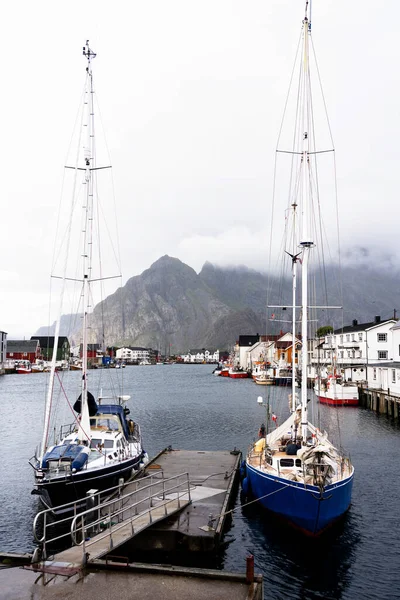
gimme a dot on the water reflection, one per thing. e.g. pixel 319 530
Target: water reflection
pixel 297 566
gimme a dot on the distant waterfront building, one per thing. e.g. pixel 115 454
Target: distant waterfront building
pixel 95 354
pixel 46 343
pixel 134 354
pixel 201 355
pixel 23 350
pixel 3 350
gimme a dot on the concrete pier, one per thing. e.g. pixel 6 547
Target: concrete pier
pixel 125 582
pixel 213 479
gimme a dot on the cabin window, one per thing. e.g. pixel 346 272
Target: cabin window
pixel 382 354
pixel 298 462
pixel 393 375
pixel 374 374
pixel 287 462
pixel 382 337
pixel 108 443
pixel 95 442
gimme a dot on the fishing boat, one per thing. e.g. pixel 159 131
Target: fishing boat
pixel 335 391
pixel 264 379
pixel 237 373
pixel 23 367
pixel 293 469
pixel 101 445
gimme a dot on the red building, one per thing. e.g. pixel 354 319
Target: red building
pixel 23 350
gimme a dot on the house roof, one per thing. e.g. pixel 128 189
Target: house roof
pixel 362 326
pixel 22 345
pixel 269 338
pixel 47 341
pixel 248 340
pixel 137 348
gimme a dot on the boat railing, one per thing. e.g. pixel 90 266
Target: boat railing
pixel 104 518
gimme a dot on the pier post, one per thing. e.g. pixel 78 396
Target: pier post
pixel 250 568
pixel 395 410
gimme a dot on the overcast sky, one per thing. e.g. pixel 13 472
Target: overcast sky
pixel 191 96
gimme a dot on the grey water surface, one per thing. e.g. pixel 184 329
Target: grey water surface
pixel 185 406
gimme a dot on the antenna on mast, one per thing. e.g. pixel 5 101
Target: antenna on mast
pixel 88 52
pixel 306 19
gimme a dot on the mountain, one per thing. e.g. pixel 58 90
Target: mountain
pixel 171 308
pixel 69 325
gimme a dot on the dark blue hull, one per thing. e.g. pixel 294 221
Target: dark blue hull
pixel 301 505
pixel 72 488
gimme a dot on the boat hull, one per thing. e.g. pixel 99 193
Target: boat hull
pixel 238 375
pixel 338 401
pixel 300 505
pixel 74 487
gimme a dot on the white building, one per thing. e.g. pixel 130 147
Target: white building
pixel 260 352
pixel 201 356
pixel 385 375
pixel 356 346
pixel 133 354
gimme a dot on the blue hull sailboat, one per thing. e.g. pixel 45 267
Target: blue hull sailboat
pixel 294 470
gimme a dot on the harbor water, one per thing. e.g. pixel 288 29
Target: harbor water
pixel 186 407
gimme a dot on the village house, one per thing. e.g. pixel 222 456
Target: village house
pixel 46 344
pixel 385 375
pixel 3 350
pixel 94 354
pixel 23 350
pixel 284 348
pixel 355 346
pixel 133 354
pixel 201 355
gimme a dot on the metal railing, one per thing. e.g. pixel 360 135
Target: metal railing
pixel 107 520
pixel 102 516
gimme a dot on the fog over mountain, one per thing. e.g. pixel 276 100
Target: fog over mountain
pixel 171 308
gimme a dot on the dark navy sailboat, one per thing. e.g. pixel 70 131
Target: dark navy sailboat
pixel 102 445
pixel 295 471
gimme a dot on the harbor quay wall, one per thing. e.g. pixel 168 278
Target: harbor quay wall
pixel 380 401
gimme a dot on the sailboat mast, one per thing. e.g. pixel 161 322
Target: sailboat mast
pixel 294 294
pixel 306 242
pixel 87 235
